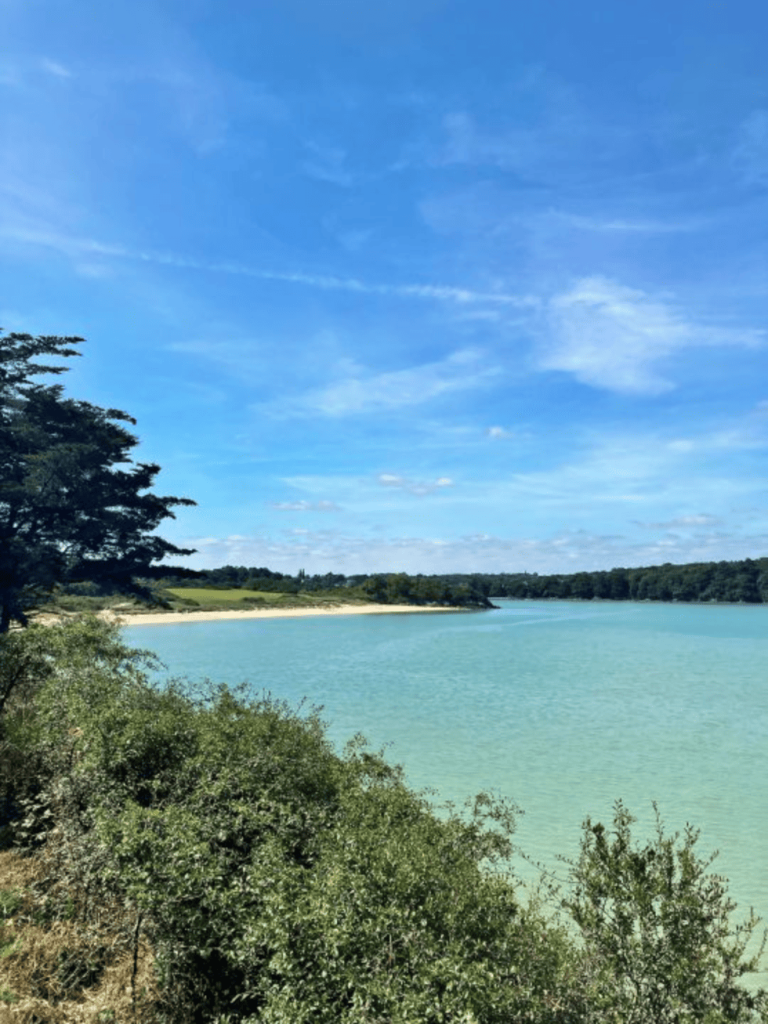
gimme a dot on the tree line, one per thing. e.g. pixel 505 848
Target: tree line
pixel 744 581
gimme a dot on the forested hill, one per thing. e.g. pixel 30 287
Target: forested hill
pixel 743 581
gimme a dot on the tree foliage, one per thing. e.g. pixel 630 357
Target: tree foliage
pixel 73 506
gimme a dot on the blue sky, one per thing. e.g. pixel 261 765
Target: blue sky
pixel 426 286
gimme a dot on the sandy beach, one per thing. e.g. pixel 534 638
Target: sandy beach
pixel 174 618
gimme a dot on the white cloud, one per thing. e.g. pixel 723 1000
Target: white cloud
pixel 305 506
pixel 17 74
pixel 419 487
pixel 685 522
pixel 360 391
pixel 614 337
pixel 625 224
pixel 53 67
pixel 76 247
pixel 498 433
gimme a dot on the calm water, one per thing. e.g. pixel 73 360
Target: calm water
pixel 563 706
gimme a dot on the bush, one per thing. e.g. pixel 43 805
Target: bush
pixel 657 929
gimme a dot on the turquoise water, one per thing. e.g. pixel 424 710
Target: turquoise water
pixel 563 706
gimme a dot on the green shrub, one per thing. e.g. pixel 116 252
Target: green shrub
pixel 657 928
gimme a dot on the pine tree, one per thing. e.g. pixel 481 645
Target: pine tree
pixel 73 505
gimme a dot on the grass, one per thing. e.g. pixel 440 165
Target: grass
pixel 63 972
pixel 212 598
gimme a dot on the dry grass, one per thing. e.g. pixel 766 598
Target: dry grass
pixel 67 972
pixel 17 872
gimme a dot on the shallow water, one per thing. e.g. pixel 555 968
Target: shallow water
pixel 563 706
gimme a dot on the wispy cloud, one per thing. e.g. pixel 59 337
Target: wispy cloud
pixel 648 226
pixel 611 336
pixel 53 67
pixel 74 246
pixel 19 74
pixel 498 433
pixel 555 134
pixel 687 522
pixel 438 292
pixel 305 506
pixel 360 391
pixel 418 487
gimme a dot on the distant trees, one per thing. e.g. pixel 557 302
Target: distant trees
pixel 72 506
pixel 744 581
pixel 400 588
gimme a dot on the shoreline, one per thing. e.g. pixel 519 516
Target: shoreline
pixel 174 618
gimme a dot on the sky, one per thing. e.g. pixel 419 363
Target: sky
pixel 424 285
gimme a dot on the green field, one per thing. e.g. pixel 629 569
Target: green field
pixel 211 597
pixel 228 598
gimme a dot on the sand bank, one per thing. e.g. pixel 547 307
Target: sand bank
pixel 173 618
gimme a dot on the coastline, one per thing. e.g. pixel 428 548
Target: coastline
pixel 174 618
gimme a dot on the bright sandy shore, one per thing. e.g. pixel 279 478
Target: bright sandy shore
pixel 169 618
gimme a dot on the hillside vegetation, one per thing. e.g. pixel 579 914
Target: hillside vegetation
pixel 217 590
pixel 744 581
pixel 183 856
pixel 230 586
